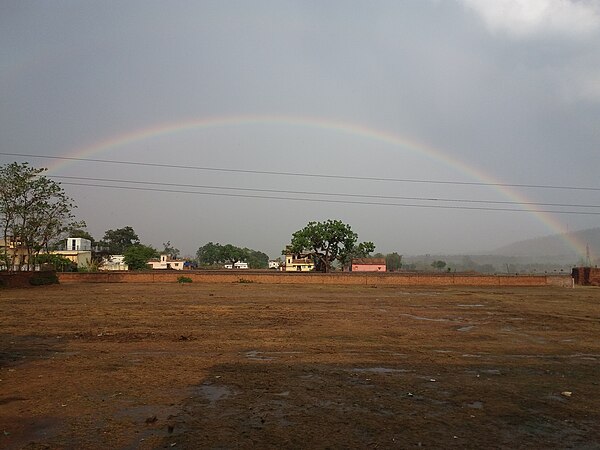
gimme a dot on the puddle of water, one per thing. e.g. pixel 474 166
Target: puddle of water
pixel 491 372
pixel 214 393
pixel 424 318
pixel 255 355
pixel 475 405
pixel 474 305
pixel 466 328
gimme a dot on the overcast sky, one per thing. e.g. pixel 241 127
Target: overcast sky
pixel 467 91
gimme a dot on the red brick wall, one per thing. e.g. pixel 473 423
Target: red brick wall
pixel 586 276
pixel 20 279
pixel 391 279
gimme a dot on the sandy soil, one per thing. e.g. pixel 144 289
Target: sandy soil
pixel 261 366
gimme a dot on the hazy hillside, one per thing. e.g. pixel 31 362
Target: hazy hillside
pixel 545 254
pixel 553 247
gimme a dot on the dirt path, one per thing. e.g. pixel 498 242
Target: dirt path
pixel 263 366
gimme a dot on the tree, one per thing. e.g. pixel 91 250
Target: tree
pixel 439 265
pixel 209 254
pixel 172 252
pixel 232 254
pixel 119 240
pixel 138 255
pixel 393 262
pixel 57 262
pixel 256 259
pixel 34 210
pixel 326 242
pixel 361 250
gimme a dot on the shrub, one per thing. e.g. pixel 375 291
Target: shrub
pixel 43 279
pixel 183 279
pixel 244 280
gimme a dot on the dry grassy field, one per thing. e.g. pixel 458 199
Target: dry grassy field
pixel 245 365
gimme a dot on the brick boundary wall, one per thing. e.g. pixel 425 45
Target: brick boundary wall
pixel 586 276
pixel 21 279
pixel 370 279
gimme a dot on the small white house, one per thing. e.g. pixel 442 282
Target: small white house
pixel 237 265
pixel 114 262
pixel 273 264
pixel 166 263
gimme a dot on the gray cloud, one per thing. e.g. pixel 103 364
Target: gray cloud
pixel 519 104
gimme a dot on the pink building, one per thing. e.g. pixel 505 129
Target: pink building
pixel 368 265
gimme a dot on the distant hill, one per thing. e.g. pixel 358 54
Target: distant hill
pixel 548 254
pixel 554 247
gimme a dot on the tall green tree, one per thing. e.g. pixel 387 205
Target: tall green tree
pixel 209 254
pixel 34 210
pixel 232 254
pixel 393 262
pixel 326 242
pixel 256 259
pixel 138 255
pixel 439 265
pixel 119 240
pixel 169 250
pixel 361 250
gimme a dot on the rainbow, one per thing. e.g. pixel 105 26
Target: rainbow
pixel 352 129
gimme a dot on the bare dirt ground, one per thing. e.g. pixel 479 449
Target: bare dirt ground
pixel 268 366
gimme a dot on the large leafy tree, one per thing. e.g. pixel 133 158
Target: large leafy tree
pixel 138 255
pixel 34 210
pixel 256 259
pixel 393 262
pixel 326 242
pixel 119 240
pixel 211 254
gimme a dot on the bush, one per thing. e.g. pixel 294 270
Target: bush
pixel 183 279
pixel 43 279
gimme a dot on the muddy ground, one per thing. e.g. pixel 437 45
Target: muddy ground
pixel 269 366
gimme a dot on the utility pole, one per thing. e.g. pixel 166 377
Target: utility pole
pixel 588 263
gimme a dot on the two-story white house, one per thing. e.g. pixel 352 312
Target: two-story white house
pixel 78 250
pixel 166 263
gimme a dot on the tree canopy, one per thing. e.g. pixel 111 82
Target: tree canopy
pixel 393 261
pixel 119 240
pixel 138 255
pixel 211 254
pixel 169 250
pixel 34 210
pixel 328 241
pixel 439 265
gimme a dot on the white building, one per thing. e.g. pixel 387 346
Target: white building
pixel 114 262
pixel 78 250
pixel 166 263
pixel 78 244
pixel 237 265
pixel 273 264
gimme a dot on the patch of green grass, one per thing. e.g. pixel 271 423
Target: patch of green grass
pixel 183 279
